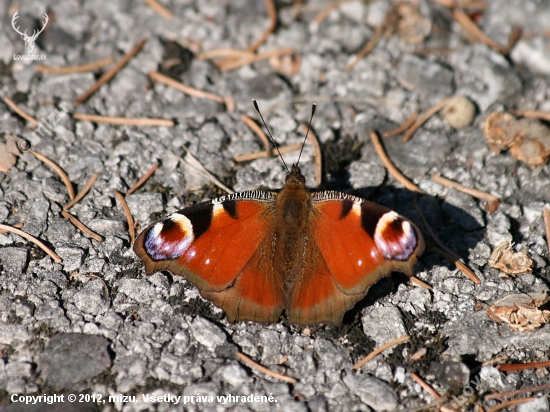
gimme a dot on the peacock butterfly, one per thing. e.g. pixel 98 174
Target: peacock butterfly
pixel 256 254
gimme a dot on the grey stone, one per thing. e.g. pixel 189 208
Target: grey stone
pixel 137 289
pixel 492 380
pixel 107 226
pixel 431 78
pixel 454 375
pixel 498 228
pixel 383 324
pixel 540 404
pixel 90 299
pixel 234 375
pixel 421 152
pixel 207 333
pixel 60 231
pixel 332 357
pixel 48 310
pixel 55 407
pixel 54 190
pixel 72 257
pixel 485 76
pixel 463 209
pixel 36 220
pixel 72 357
pixel 110 320
pixel 270 341
pixel 366 177
pixel 13 334
pixel 16 385
pixel 475 334
pixel 14 259
pixel 143 205
pixel 18 370
pixel 375 393
pixel 532 54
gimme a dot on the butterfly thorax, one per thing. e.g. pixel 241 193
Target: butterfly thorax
pixel 293 208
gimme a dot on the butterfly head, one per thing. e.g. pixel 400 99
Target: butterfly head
pixel 295 175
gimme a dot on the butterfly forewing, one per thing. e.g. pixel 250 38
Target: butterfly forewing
pixel 209 243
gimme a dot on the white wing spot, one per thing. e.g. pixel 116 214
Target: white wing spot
pixel 217 209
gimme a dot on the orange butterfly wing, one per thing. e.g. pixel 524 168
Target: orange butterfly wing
pixel 222 247
pixel 354 244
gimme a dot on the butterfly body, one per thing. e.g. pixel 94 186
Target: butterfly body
pixel 258 254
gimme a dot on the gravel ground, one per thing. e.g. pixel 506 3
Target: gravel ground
pixel 95 325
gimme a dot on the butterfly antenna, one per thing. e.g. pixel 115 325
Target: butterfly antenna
pixel 269 132
pixel 313 107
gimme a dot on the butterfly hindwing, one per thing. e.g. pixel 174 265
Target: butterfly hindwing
pixel 217 246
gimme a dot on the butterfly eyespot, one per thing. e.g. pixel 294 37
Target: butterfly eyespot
pixel 169 240
pixel 395 237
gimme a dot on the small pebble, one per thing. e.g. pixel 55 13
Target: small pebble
pixel 459 112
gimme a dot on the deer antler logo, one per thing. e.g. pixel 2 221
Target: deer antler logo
pixel 29 40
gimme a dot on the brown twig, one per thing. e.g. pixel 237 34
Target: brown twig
pixel 510 403
pixel 493 361
pixel 143 179
pixel 89 67
pixel 11 104
pixel 124 121
pixel 232 64
pixel 160 9
pixel 317 154
pixel 452 257
pixel 231 53
pixel 109 74
pixel 535 114
pixel 522 366
pixel 473 4
pixel 191 91
pixel 252 125
pixel 272 13
pixel 379 350
pixel 390 166
pixel 32 239
pixel 533 389
pixel 424 117
pixel 17 226
pixel 83 228
pixel 368 47
pixel 515 35
pixel 258 155
pixel 57 169
pixel 425 385
pixel 471 28
pixel 420 283
pixel 323 14
pixel 82 193
pixel 255 365
pixel 195 164
pixel 465 189
pixel 129 218
pixel 403 127
pixel 546 214
pixel 445 252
